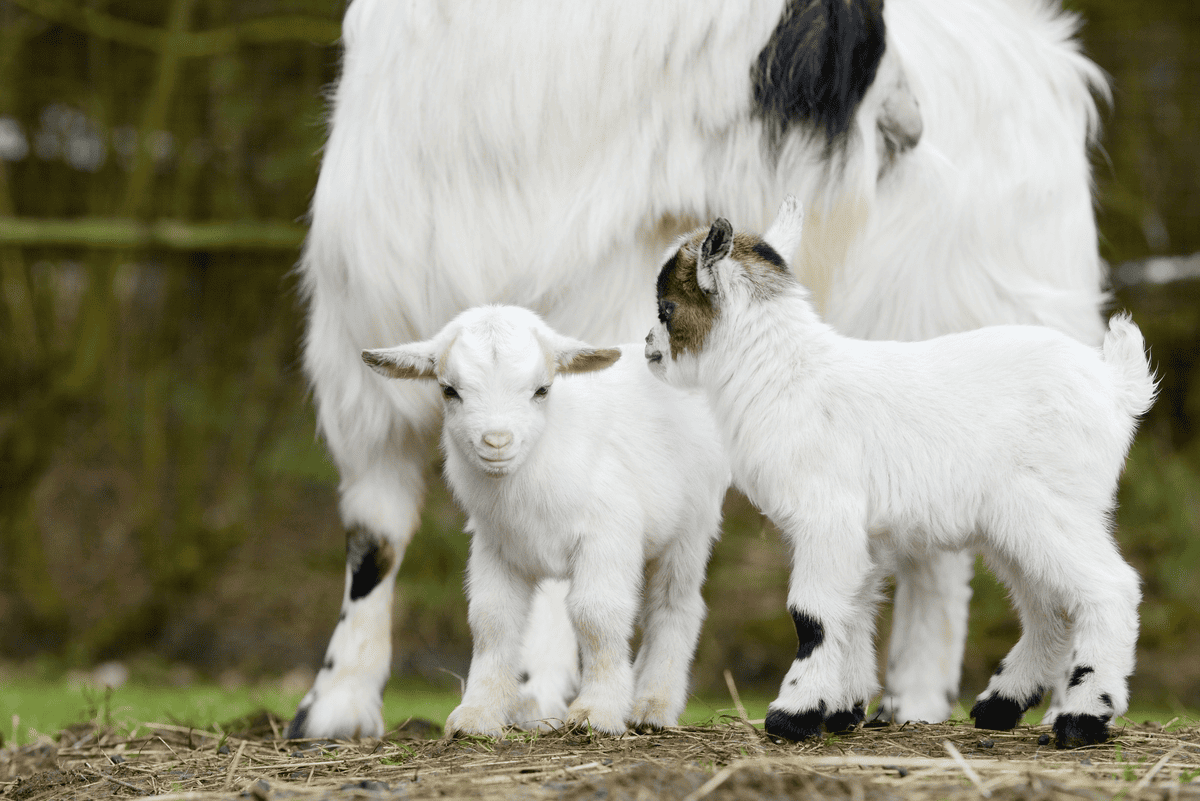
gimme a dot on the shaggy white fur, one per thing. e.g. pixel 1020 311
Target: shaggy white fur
pixel 1009 439
pixel 546 153
pixel 572 464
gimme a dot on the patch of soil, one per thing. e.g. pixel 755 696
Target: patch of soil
pixel 726 761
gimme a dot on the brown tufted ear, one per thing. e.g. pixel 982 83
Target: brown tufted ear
pixel 717 245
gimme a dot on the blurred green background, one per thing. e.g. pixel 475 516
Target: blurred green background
pixel 163 500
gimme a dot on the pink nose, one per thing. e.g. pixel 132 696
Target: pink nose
pixel 497 439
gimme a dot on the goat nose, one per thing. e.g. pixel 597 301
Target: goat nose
pixel 497 439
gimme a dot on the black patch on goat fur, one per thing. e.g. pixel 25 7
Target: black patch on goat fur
pixel 328 663
pixel 369 557
pixel 768 254
pixel 818 63
pixel 999 713
pixel 1078 674
pixel 844 719
pixel 1106 699
pixel 809 632
pixel 295 729
pixel 794 726
pixel 1074 731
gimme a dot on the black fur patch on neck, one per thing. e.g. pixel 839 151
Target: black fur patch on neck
pixel 768 254
pixel 818 64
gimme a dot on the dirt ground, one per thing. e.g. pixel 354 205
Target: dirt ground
pixel 726 761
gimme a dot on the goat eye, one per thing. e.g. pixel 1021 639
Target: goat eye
pixel 542 391
pixel 449 391
pixel 665 309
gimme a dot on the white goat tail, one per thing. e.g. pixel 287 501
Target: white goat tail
pixel 1125 351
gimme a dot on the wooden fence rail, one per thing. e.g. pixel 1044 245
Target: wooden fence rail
pixel 283 28
pixel 111 232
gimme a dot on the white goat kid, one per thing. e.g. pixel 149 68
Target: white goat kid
pixel 1009 439
pixel 594 477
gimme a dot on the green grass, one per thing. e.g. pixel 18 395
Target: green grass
pixel 45 706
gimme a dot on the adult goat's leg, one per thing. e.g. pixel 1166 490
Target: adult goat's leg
pixel 381 456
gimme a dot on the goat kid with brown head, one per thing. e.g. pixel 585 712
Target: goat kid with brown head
pixel 1008 440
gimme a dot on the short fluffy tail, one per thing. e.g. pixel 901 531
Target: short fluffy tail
pixel 1125 351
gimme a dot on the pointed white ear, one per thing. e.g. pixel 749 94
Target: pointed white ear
pixel 784 235
pixel 415 360
pixel 567 355
pixel 717 245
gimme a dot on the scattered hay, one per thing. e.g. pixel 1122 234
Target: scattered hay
pixel 727 761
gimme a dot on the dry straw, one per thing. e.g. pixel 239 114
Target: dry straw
pixel 726 760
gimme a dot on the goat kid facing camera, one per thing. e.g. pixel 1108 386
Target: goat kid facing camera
pixel 1007 439
pixel 572 463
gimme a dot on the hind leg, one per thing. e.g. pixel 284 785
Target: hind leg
pixel 1029 669
pixel 551 658
pixel 1104 642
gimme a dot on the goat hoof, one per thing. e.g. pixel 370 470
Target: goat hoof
pixel 793 726
pixel 1073 731
pixel 844 719
pixel 997 713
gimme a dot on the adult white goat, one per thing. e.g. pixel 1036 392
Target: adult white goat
pixel 1009 439
pixel 546 154
pixel 594 478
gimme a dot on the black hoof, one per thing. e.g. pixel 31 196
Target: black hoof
pixel 1073 731
pixel 295 729
pixel 793 726
pixel 997 713
pixel 844 719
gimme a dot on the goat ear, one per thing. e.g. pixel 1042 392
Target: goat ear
pixel 415 360
pixel 569 355
pixel 717 245
pixel 587 360
pixel 785 233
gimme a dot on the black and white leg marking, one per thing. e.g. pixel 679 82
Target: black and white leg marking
pixel 1075 729
pixel 805 723
pixel 370 562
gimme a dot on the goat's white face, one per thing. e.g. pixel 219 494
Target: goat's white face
pixel 495 392
pixel 496 367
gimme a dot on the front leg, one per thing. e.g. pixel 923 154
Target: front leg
pixel 831 600
pixel 603 603
pixel 498 609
